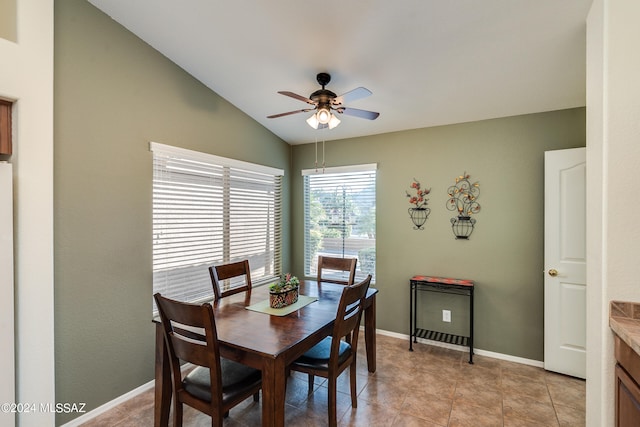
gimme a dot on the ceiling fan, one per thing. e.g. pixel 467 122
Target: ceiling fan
pixel 325 102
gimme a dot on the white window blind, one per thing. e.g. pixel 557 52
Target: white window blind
pixel 210 210
pixel 340 217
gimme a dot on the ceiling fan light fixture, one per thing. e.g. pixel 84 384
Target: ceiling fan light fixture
pixel 333 121
pixel 313 121
pixel 323 115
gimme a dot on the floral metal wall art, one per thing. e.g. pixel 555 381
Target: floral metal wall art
pixel 463 199
pixel 419 212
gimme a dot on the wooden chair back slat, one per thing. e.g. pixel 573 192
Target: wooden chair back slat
pixel 180 322
pixel 220 273
pixel 349 315
pixel 328 264
pixel 347 325
pixel 190 335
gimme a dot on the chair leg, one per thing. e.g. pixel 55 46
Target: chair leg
pixel 217 419
pixel 352 380
pixel 177 414
pixel 333 418
pixel 256 396
pixel 311 381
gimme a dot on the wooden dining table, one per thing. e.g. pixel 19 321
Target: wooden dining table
pixel 268 342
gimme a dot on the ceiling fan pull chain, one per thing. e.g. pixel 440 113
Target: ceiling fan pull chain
pixel 323 155
pixel 316 153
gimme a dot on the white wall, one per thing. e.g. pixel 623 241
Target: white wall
pixel 26 76
pixel 613 164
pixel 599 402
pixel 7 350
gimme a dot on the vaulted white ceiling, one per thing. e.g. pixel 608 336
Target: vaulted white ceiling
pixel 427 62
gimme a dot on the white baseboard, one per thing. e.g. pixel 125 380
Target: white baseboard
pixel 118 400
pixel 109 405
pixel 121 399
pixel 480 352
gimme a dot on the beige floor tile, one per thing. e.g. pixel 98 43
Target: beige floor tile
pixel 429 387
pixel 525 408
pixel 427 407
pixel 484 362
pixel 487 397
pixel 107 419
pixel 435 384
pixel 525 386
pixel 368 414
pixel 479 376
pixel 406 420
pixel 385 392
pixel 532 372
pixel 518 422
pixel 569 416
pixel 568 394
pixel 473 416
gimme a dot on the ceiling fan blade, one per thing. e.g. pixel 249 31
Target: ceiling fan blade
pixel 363 114
pixel 352 95
pixel 275 116
pixel 296 96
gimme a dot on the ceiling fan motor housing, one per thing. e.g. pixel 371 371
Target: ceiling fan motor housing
pixel 323 97
pixel 323 79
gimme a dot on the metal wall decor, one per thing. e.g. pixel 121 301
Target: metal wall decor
pixel 463 199
pixel 420 212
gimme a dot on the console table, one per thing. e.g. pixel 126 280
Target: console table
pixel 442 285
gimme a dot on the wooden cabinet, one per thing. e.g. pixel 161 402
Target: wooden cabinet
pixel 5 127
pixel 627 388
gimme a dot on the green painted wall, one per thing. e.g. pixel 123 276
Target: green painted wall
pixel 114 94
pixel 504 255
pixel 8 20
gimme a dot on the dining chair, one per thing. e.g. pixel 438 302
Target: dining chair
pixel 331 356
pixel 336 264
pixel 216 384
pixel 220 273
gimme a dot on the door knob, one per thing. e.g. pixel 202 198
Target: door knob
pixel 553 272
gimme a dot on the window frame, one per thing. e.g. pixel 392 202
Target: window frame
pixel 230 190
pixel 308 175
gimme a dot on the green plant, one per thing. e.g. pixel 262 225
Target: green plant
pixel 286 283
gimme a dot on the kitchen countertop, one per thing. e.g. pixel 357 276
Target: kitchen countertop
pixel 624 320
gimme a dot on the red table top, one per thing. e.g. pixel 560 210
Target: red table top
pixel 443 280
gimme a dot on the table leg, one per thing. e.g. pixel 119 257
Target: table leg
pixel 411 330
pixel 370 334
pixel 273 392
pixel 471 326
pixel 162 403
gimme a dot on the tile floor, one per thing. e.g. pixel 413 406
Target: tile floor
pixel 428 387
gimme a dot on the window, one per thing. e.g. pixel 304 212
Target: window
pixel 340 217
pixel 210 210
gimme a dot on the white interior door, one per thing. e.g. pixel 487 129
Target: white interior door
pixel 565 332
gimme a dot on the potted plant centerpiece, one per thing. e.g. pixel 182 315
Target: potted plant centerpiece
pixel 284 292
